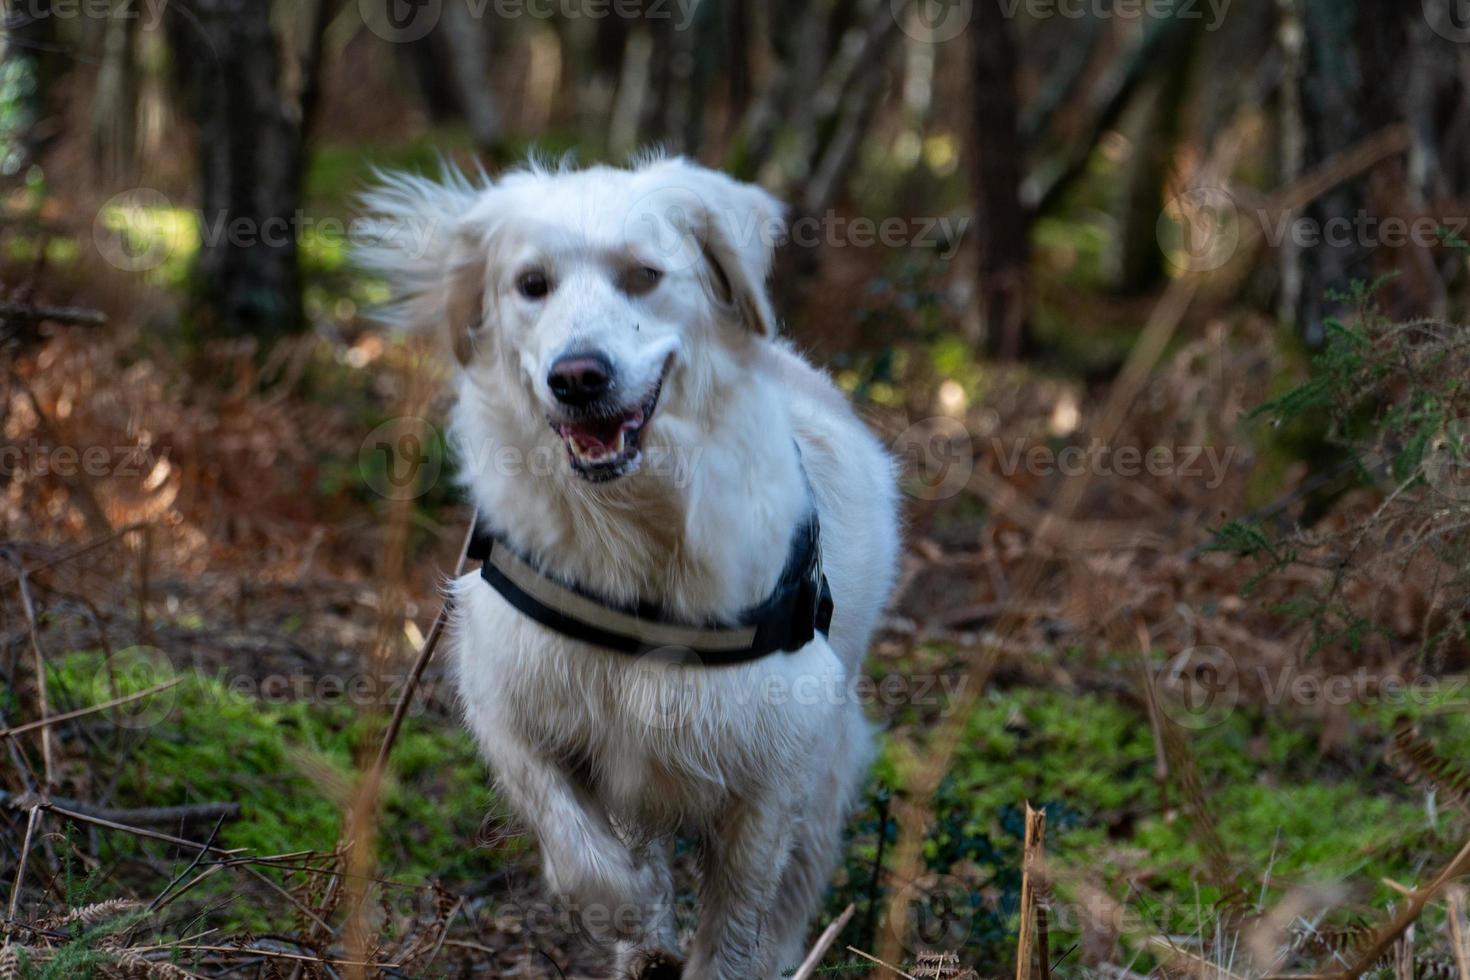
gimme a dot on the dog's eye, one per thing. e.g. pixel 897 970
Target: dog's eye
pixel 641 279
pixel 533 284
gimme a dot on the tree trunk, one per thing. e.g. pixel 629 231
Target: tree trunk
pixel 1003 225
pixel 34 52
pixel 115 101
pixel 1337 111
pixel 252 134
pixel 1366 65
pixel 1154 136
pixel 451 67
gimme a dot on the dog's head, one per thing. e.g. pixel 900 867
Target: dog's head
pixel 591 302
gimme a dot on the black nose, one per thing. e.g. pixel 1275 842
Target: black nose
pixel 580 379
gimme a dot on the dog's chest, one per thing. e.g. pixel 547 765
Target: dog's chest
pixel 648 737
pixel 657 743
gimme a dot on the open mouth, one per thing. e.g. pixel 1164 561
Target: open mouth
pixel 604 446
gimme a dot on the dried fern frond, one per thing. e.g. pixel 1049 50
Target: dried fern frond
pixel 10 962
pixel 1416 761
pixel 1329 940
pixel 94 914
pixel 135 965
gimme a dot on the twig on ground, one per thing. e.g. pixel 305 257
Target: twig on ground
pixel 42 708
pixel 443 933
pixel 255 949
pixel 81 817
pixel 158 902
pixel 21 764
pixel 426 653
pixel 81 712
pixel 823 943
pixel 887 966
pixel 20 868
pixel 69 315
pixel 150 815
pixel 1155 722
pixel 1386 937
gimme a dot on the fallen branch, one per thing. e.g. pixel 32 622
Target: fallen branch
pixel 887 966
pixel 81 712
pixel 82 817
pixel 1372 952
pixel 20 868
pixel 70 315
pixel 43 708
pixel 255 949
pixel 824 943
pixel 157 902
pixel 426 653
pixel 148 816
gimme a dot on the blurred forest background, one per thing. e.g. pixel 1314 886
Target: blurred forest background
pixel 1156 301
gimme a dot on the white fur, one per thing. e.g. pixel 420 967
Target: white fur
pixel 607 756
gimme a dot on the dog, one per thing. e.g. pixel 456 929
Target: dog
pixel 650 459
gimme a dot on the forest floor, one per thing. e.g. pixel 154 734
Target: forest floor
pixel 238 545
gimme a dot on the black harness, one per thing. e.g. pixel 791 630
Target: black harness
pixel 796 610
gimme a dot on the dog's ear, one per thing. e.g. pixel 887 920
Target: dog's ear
pixel 419 239
pixel 736 227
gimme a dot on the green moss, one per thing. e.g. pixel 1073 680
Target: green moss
pixel 290 766
pixel 1090 762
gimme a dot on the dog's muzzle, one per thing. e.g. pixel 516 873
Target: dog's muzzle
pixel 603 439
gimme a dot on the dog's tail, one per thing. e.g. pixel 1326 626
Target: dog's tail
pixel 413 236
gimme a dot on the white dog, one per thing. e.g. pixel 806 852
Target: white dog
pixel 647 460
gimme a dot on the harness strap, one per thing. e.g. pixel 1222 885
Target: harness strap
pixel 797 609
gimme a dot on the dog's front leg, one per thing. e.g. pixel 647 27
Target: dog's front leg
pixel 744 855
pixel 616 895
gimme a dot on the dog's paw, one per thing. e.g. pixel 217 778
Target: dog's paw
pixel 655 965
